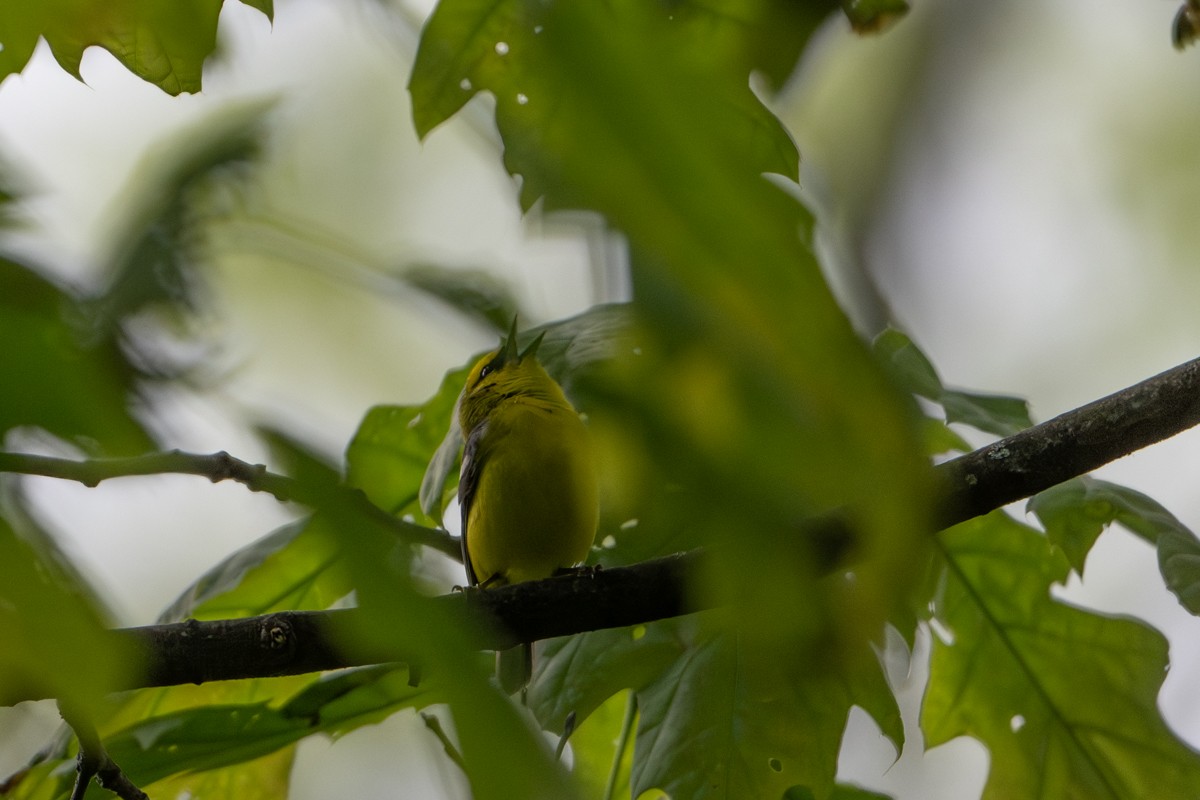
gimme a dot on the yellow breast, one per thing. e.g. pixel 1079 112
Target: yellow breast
pixel 535 506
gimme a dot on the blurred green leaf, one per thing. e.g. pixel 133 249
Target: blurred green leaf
pixel 907 365
pixel 55 376
pixel 53 635
pixel 492 736
pixel 476 293
pixel 506 48
pixel 1075 512
pixel 871 16
pixel 748 387
pixel 157 249
pixel 1064 699
pixel 725 721
pixel 164 42
pixel 840 792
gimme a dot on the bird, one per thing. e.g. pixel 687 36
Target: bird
pixel 528 487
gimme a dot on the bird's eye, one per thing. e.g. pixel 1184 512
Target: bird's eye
pixel 487 370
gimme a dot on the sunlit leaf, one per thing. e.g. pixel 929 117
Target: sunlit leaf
pixel 265 778
pixel 294 568
pixel 1064 699
pixel 594 748
pixel 214 736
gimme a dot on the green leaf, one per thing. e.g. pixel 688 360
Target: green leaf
pixel 293 568
pixel 59 379
pixel 1179 563
pixel 594 748
pixel 215 736
pixel 577 674
pixel 54 643
pixel 505 47
pixel 267 7
pixel 840 792
pixel 723 721
pixel 907 365
pixel 162 41
pixel 1075 512
pixel 395 445
pixel 1065 700
pixel 911 369
pixel 998 414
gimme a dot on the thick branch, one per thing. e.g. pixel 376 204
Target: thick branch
pixel 1019 466
pixel 298 642
pixel 1071 444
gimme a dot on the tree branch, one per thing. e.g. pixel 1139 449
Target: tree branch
pixel 1071 444
pixel 976 483
pixel 299 642
pixel 219 467
pixel 93 761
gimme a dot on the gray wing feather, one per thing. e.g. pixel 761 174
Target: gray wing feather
pixel 468 482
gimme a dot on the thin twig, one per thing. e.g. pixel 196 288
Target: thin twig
pixel 219 467
pixel 94 762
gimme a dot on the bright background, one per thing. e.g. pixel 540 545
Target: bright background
pixel 1018 180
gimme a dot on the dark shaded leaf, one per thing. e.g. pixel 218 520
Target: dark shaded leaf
pixel 724 721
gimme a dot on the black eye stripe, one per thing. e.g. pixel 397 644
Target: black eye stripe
pixel 489 368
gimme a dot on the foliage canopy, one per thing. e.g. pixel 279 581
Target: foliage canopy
pixel 734 403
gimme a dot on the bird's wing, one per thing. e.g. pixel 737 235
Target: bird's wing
pixel 468 482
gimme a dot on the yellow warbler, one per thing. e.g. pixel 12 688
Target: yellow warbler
pixel 528 487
